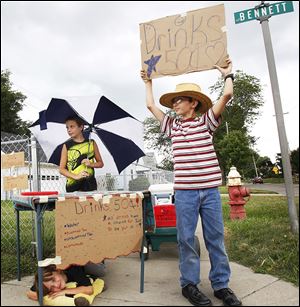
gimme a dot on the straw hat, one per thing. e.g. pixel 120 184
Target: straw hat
pixel 190 90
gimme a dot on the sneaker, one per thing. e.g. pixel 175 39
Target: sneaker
pixel 195 296
pixel 228 297
pixel 81 301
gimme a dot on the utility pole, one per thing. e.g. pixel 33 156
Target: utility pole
pixel 254 165
pixel 288 180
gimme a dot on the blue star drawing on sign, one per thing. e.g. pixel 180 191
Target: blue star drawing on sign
pixel 151 64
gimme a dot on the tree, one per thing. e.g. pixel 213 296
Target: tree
pixel 239 114
pixel 166 164
pixel 234 150
pixel 243 110
pixel 295 161
pixel 156 139
pixel 265 167
pixel 12 102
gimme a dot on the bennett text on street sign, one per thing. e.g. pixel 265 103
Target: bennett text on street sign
pixel 272 9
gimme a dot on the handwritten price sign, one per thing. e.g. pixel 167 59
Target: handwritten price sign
pixel 93 230
pixel 13 160
pixel 179 44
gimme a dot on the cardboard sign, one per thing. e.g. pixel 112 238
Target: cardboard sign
pixel 93 230
pixel 15 159
pixel 179 44
pixel 15 182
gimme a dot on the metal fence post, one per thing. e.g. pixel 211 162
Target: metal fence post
pixel 125 181
pixel 34 161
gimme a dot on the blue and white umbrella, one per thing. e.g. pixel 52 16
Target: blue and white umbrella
pixel 118 134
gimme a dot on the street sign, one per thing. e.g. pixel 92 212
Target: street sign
pixel 270 10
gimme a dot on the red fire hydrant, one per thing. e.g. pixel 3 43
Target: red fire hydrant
pixel 237 192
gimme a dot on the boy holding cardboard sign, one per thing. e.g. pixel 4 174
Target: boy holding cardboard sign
pixel 197 177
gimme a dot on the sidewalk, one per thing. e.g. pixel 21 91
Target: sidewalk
pixel 161 286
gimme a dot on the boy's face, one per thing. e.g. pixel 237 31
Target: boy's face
pixel 57 282
pixel 183 105
pixel 73 128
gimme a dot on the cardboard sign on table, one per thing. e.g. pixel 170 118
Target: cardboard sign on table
pixel 93 230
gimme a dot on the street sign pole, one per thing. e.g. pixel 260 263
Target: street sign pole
pixel 287 170
pixel 263 12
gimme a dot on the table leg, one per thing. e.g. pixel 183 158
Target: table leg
pixel 39 243
pixel 18 245
pixel 142 249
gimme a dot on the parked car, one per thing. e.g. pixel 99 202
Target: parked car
pixel 257 180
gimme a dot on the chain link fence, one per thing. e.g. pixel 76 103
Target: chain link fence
pixel 138 177
pixel 10 144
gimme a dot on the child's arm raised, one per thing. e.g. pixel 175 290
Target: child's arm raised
pixel 157 112
pixel 219 107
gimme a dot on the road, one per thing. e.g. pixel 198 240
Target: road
pixel 276 187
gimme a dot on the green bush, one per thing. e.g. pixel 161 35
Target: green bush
pixel 139 184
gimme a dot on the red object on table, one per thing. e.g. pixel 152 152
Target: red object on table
pixel 39 193
pixel 165 215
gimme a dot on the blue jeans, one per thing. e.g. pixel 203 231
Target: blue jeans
pixel 207 202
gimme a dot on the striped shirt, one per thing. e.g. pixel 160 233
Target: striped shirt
pixel 195 161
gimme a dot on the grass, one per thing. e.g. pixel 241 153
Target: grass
pixel 273 180
pixel 27 250
pixel 224 190
pixel 263 241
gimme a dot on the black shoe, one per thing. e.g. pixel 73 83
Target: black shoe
pixel 195 296
pixel 228 297
pixel 81 301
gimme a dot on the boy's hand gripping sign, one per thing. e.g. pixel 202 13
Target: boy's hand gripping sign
pixel 184 43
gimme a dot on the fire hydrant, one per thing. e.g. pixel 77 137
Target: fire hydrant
pixel 237 192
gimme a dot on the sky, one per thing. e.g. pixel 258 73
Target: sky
pixel 92 48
